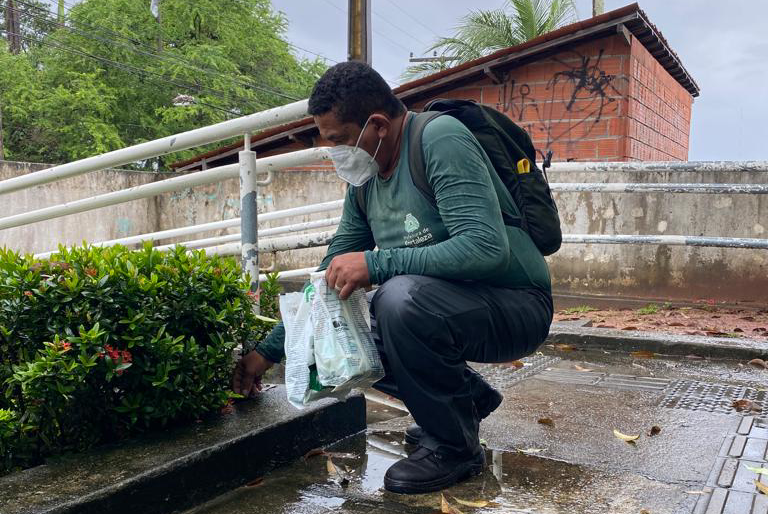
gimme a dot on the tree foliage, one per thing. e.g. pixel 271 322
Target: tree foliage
pixel 483 32
pixel 108 75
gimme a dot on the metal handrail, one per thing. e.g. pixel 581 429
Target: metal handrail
pixel 214 225
pixel 659 166
pixel 183 141
pixel 265 165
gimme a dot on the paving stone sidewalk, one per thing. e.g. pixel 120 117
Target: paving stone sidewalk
pixel 552 447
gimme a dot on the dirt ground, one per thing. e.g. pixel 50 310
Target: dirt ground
pixel 706 319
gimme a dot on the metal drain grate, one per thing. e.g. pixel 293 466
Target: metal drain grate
pixel 718 398
pixel 612 381
pixel 499 375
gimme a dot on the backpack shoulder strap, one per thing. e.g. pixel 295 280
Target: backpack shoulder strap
pixel 361 194
pixel 416 153
pixel 415 161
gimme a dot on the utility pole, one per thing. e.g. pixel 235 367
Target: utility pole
pixel 598 7
pixel 154 7
pixel 359 32
pixel 12 28
pixel 61 11
pixel 2 154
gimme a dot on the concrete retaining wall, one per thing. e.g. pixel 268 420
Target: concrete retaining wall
pixel 625 270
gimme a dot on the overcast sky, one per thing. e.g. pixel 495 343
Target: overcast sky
pixel 723 45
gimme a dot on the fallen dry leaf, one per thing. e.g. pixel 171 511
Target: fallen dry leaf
pixel 546 421
pixel 745 405
pixel 564 347
pixel 581 368
pixel 645 511
pixel 625 437
pixel 606 326
pixel 655 430
pixel 514 364
pixel 335 473
pixel 447 508
pixel 761 487
pixel 313 453
pixel 630 327
pixel 676 324
pixel 759 471
pixel 479 504
pixel 737 329
pixel 758 363
pixel 255 482
pixel 643 354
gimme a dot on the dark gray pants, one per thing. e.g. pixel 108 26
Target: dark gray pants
pixel 427 328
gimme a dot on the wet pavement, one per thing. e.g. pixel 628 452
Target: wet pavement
pixel 552 448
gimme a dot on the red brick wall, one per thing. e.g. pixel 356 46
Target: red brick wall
pixel 659 111
pixel 604 100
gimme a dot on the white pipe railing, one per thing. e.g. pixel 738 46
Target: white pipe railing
pixel 219 240
pixel 630 187
pixel 265 165
pixel 663 166
pixel 216 225
pixel 278 244
pixel 226 129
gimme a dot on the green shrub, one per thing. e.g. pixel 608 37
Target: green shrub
pixel 649 309
pixel 100 343
pixel 581 309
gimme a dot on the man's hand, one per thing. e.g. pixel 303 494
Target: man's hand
pixel 347 272
pixel 248 372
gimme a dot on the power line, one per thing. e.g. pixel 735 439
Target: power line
pixel 393 83
pixel 163 56
pixel 105 29
pixel 374 30
pixel 401 30
pixel 125 67
pixel 411 17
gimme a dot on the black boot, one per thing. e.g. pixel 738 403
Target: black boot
pixel 484 405
pixel 426 471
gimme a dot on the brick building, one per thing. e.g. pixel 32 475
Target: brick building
pixel 604 89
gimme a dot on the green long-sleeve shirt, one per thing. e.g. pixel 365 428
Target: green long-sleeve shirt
pixel 462 238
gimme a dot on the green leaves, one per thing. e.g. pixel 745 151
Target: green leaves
pixel 111 342
pixel 108 77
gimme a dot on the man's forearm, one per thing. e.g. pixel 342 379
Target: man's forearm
pixel 272 347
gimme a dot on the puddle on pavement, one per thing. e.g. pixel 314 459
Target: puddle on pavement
pixel 515 482
pixel 692 367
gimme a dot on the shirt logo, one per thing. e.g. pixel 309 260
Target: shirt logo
pixel 411 223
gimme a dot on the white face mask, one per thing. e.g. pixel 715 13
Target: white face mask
pixel 353 164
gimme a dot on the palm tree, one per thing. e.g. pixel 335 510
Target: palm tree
pixel 483 32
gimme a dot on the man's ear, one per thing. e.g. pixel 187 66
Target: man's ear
pixel 382 124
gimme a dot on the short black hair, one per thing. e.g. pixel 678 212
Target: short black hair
pixel 354 91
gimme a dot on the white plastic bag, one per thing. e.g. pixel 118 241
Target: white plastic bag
pixel 296 311
pixel 328 344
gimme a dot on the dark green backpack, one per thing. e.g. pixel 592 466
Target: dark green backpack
pixel 508 147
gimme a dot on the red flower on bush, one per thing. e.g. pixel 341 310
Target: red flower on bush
pixel 28 293
pixel 91 272
pixel 65 347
